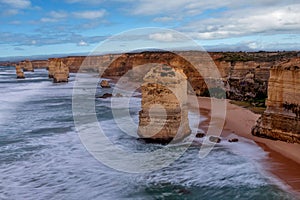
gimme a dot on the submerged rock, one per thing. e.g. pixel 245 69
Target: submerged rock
pixel 200 135
pixel 104 96
pixel 215 139
pixel 118 95
pixel 233 140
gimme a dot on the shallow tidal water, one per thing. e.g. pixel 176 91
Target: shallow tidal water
pixel 42 157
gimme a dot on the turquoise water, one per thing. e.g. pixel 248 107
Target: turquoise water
pixel 42 157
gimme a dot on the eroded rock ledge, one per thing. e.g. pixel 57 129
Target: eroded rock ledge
pixel 281 120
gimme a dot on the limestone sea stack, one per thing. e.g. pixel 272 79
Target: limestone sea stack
pixel 61 73
pixel 164 114
pixel 281 120
pixel 104 84
pixel 53 62
pixel 19 72
pixel 27 66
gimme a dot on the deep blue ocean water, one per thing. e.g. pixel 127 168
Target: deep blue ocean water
pixel 42 157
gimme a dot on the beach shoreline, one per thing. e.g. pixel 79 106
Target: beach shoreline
pixel 283 160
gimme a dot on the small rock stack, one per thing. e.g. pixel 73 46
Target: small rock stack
pixel 61 74
pixel 19 72
pixel 26 66
pixel 52 66
pixel 58 70
pixel 164 115
pixel 104 84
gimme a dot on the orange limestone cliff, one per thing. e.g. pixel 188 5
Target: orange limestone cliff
pixel 281 120
pixel 245 74
pixel 19 72
pixel 40 63
pixel 164 114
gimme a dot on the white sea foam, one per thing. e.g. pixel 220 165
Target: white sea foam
pixel 15 96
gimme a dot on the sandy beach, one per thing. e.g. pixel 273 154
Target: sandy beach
pixel 283 158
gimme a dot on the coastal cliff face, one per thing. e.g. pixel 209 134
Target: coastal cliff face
pixel 40 64
pixel 164 114
pixel 73 63
pixel 245 75
pixel 281 120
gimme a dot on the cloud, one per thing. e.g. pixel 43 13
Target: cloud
pixel 47 19
pixel 89 14
pixel 85 1
pixel 284 19
pixel 19 4
pixel 54 16
pixel 194 7
pixel 15 22
pixel 165 37
pixel 163 19
pixel 56 37
pixel 58 14
pixel 82 43
pixel 13 7
pixel 19 49
pixel 10 12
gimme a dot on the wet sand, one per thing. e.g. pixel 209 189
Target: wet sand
pixel 283 158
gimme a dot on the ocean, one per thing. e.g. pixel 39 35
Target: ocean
pixel 42 156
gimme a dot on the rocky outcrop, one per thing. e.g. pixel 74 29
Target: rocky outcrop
pixel 281 120
pixel 164 114
pixel 58 70
pixel 61 73
pixel 104 84
pixel 26 66
pixel 214 139
pixel 53 65
pixel 19 72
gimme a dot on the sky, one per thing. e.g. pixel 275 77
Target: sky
pixel 40 27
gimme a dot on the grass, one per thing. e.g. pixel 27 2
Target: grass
pixel 249 106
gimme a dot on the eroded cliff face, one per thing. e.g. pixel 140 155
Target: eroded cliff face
pixel 281 120
pixel 164 114
pixel 248 80
pixel 245 75
pixel 40 64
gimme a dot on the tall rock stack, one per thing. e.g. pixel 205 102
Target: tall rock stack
pixel 281 120
pixel 19 72
pixel 53 62
pixel 164 114
pixel 27 66
pixel 61 73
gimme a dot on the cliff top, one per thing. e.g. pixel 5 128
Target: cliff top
pixel 292 64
